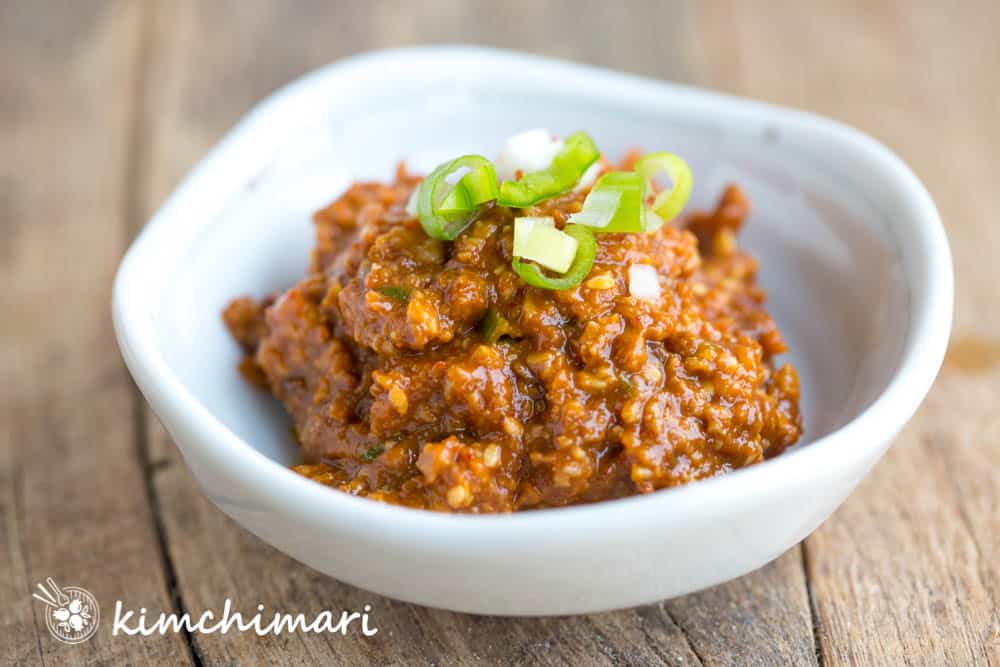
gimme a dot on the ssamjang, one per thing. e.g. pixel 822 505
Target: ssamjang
pixel 427 373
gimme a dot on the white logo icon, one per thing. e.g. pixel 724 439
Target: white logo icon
pixel 71 613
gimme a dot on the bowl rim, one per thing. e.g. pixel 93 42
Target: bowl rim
pixel 930 317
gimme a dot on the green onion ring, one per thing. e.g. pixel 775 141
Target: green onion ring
pixel 667 203
pixel 538 239
pixel 569 164
pixel 586 250
pixel 480 184
pixel 614 204
pixel 445 210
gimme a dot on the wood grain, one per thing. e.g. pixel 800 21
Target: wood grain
pixel 215 559
pixel 72 490
pixel 106 105
pixel 908 571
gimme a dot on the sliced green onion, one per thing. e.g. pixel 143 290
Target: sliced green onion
pixel 598 208
pixel 582 263
pixel 493 326
pixel 538 239
pixel 480 184
pixel 476 187
pixel 456 203
pixel 569 164
pixel 614 204
pixel 397 293
pixel 650 221
pixel 444 208
pixel 669 202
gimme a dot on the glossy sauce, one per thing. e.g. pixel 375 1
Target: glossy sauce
pixel 396 394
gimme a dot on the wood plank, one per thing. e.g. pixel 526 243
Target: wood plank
pixel 907 570
pixel 891 580
pixel 762 618
pixel 72 492
pixel 204 85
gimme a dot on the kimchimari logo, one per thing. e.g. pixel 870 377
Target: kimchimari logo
pixel 72 616
pixel 260 623
pixel 71 613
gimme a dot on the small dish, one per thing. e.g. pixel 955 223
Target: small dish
pixel 855 260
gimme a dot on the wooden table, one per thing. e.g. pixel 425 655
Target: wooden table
pixel 105 105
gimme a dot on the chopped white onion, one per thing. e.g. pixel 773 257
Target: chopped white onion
pixel 526 152
pixel 643 282
pixel 589 176
pixel 411 204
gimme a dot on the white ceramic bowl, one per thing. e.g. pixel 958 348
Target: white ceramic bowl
pixel 851 248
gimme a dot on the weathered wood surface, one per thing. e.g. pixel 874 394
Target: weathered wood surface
pixel 909 569
pixel 73 492
pixel 104 106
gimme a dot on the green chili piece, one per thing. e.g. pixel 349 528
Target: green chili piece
pixel 493 326
pixel 397 293
pixel 372 453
